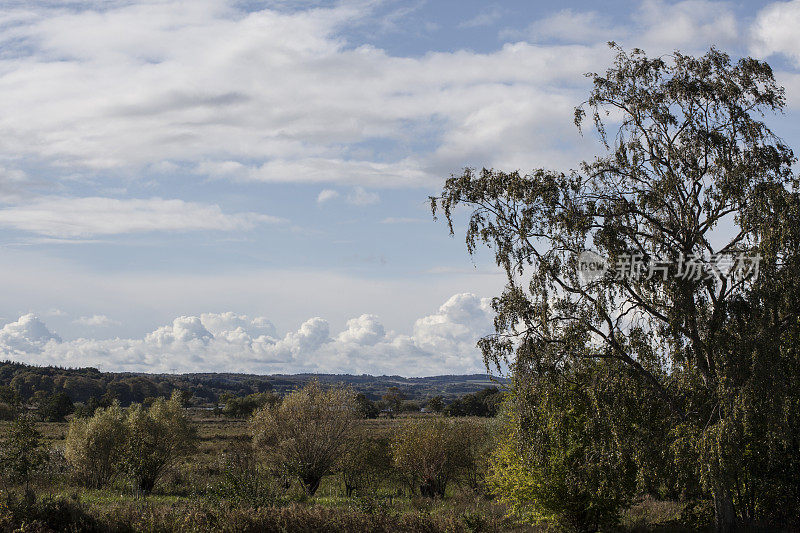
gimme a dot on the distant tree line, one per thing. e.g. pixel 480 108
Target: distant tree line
pixel 54 393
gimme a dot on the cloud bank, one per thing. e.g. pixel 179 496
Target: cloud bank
pixel 442 342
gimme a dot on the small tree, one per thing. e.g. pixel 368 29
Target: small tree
pixel 429 454
pixel 94 446
pixel 307 432
pixel 365 463
pixel 436 404
pixel 155 439
pixel 56 407
pixel 22 455
pixel 394 398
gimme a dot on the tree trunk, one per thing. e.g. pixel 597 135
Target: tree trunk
pixel 724 513
pixel 311 484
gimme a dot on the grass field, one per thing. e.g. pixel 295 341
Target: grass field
pixel 187 499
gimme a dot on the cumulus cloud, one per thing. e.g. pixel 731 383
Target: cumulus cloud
pixel 28 334
pixel 655 25
pixel 442 342
pixel 364 330
pixel 83 217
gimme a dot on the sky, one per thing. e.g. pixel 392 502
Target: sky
pixel 241 186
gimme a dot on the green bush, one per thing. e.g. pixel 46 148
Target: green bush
pixel 155 438
pixel 365 464
pixel 306 433
pixel 94 446
pixel 561 460
pixel 21 453
pixel 429 454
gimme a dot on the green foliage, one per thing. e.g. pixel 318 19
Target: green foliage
pixel 365 464
pixel 10 402
pixel 436 404
pixel 689 153
pixel 563 459
pixel 56 407
pixel 244 407
pixel 393 398
pixel 94 446
pixel 155 438
pixel 428 454
pixel 305 434
pixel 245 480
pixel 21 455
pixel 482 403
pixel 366 407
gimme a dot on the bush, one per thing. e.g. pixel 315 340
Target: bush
pixel 94 446
pixel 21 455
pixel 365 464
pixel 307 432
pixel 155 439
pixel 429 454
pixel 245 480
pixel 561 459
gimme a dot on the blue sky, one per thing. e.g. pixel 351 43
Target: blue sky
pixel 241 186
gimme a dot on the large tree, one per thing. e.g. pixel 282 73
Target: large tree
pixel 691 180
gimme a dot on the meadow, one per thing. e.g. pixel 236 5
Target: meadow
pixel 190 496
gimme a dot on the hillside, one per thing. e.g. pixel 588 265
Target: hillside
pixel 82 384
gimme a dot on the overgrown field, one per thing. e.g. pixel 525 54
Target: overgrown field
pixel 192 496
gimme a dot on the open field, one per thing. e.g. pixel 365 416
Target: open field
pixel 188 497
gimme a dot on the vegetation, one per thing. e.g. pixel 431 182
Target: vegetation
pixel 154 439
pixel 95 446
pixel 691 173
pixel 665 401
pixel 21 455
pixel 306 433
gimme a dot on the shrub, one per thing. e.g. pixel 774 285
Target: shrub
pixel 155 439
pixel 429 454
pixel 561 459
pixel 365 463
pixel 244 478
pixel 21 455
pixel 307 432
pixel 94 446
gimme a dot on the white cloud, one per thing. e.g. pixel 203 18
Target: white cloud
pixel 775 30
pixel 326 195
pixel 443 342
pixel 656 26
pixel 364 330
pixel 361 196
pixel 96 321
pixel 270 95
pixel 82 217
pixel 569 25
pixel 28 334
pixel 688 25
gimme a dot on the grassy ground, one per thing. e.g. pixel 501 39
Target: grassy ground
pixel 186 500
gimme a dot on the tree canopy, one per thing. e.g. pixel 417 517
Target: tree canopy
pixel 692 188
